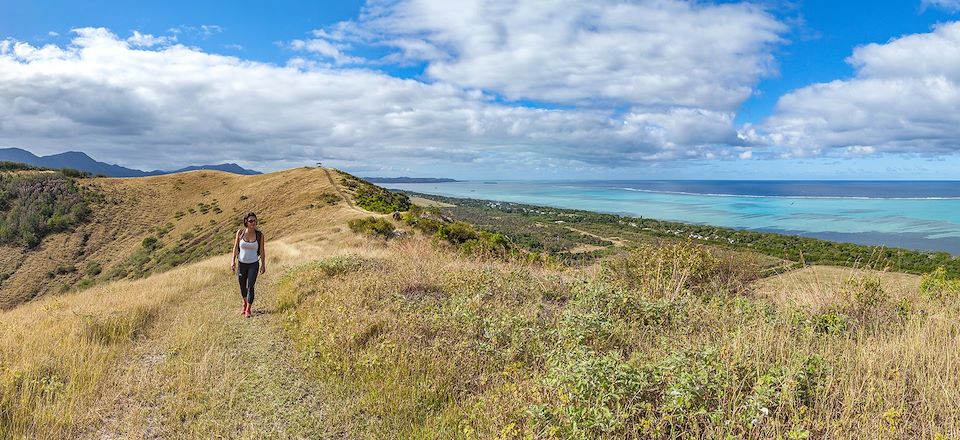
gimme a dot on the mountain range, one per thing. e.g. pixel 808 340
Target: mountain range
pixel 80 161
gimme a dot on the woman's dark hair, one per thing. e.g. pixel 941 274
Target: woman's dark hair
pixel 243 220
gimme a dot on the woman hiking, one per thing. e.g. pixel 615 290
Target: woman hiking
pixel 248 248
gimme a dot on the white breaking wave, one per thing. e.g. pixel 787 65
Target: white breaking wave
pixel 756 196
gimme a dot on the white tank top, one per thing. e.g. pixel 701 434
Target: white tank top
pixel 248 251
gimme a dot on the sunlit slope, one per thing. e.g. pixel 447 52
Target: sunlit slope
pixel 191 215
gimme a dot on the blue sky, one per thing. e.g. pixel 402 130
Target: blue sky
pixel 487 89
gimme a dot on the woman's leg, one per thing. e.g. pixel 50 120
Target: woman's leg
pixel 242 275
pixel 253 269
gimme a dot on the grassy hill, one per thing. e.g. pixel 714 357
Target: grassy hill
pixel 138 226
pixel 426 328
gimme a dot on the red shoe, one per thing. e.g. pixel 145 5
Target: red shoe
pixel 247 312
pixel 245 307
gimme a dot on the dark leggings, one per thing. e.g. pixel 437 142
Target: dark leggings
pixel 247 272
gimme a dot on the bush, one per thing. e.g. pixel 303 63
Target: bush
pixel 375 226
pixel 864 291
pixel 149 242
pixel 33 206
pixel 376 199
pixel 328 199
pixel 6 165
pixel 93 268
pixel 457 233
pixel 935 285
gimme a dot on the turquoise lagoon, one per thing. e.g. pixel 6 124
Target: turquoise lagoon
pixel 917 215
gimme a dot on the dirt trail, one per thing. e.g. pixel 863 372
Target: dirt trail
pixel 207 372
pixel 345 197
pixel 617 241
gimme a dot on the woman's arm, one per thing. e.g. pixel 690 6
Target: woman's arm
pixel 263 254
pixel 236 246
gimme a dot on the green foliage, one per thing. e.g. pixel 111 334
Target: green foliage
pixel 864 291
pixel 35 205
pixel 374 198
pixel 77 174
pixel 936 285
pixel 6 165
pixel 374 226
pixel 149 242
pixel 457 233
pixel 830 323
pixel 546 229
pixel 93 268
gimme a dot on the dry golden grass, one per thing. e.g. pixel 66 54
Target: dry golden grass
pixel 286 201
pixel 427 202
pixel 165 356
pixel 816 288
pixel 423 343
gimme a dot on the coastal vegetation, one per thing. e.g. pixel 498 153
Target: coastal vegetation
pixel 374 198
pixel 557 231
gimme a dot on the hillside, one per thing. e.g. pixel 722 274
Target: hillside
pixel 427 328
pixel 191 215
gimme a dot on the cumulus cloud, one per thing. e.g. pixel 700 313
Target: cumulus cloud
pixel 904 98
pixel 174 104
pixel 635 82
pixel 667 53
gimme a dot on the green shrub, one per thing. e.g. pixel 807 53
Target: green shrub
pixel 70 172
pixel 63 269
pixel 149 242
pixel 86 283
pixel 375 226
pixel 830 323
pixel 376 199
pixel 93 268
pixel 328 199
pixel 33 206
pixel 6 165
pixel 936 285
pixel 457 232
pixel 864 291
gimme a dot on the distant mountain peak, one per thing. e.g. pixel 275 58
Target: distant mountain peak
pixel 83 162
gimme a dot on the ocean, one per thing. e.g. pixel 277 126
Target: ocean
pixel 921 215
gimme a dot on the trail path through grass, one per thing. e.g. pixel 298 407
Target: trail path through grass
pixel 617 241
pixel 208 372
pixel 345 197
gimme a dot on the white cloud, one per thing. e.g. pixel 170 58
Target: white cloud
pixel 326 48
pixel 904 98
pixel 666 53
pixel 173 105
pixel 636 82
pixel 147 40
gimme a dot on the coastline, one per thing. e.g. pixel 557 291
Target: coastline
pixel 930 224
